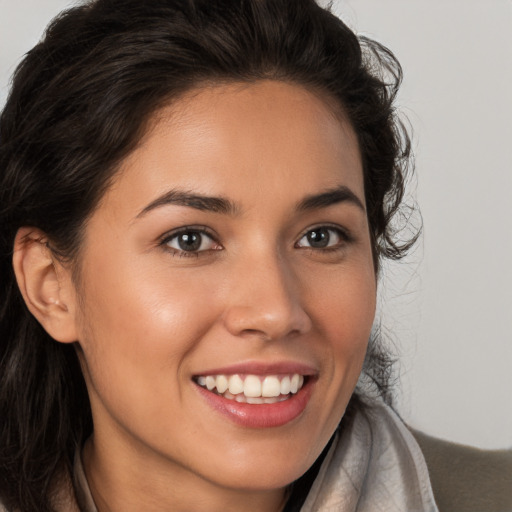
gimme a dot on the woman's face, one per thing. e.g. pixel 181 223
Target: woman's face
pixel 233 250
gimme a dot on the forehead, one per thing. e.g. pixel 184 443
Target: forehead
pixel 244 141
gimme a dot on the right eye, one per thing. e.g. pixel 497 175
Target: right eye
pixel 322 237
pixel 188 242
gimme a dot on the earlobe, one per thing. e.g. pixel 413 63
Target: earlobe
pixel 45 284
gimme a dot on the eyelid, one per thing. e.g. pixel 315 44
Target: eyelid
pixel 164 240
pixel 343 233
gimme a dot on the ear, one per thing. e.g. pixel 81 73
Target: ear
pixel 45 284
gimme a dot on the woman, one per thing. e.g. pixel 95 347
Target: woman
pixel 196 197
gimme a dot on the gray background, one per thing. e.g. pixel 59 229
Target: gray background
pixel 447 307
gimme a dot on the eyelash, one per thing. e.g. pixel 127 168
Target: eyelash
pixel 343 235
pixel 165 241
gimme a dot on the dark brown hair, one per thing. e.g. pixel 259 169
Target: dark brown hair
pixel 79 104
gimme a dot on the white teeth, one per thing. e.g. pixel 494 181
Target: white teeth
pixel 271 387
pixel 294 384
pixel 285 386
pixel 241 398
pixel 222 383
pixel 252 386
pixel 253 389
pixel 236 385
pixel 210 382
pixel 254 400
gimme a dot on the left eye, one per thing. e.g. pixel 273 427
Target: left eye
pixel 190 241
pixel 321 238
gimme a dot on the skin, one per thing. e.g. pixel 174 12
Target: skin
pixel 149 316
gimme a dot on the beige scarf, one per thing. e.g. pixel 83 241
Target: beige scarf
pixel 374 466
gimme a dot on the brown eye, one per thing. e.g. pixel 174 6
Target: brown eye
pixel 321 238
pixel 190 241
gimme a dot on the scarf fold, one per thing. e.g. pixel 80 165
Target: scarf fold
pixel 375 465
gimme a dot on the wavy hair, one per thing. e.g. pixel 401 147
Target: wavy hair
pixel 79 104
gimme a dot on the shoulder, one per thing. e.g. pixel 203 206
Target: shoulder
pixel 466 479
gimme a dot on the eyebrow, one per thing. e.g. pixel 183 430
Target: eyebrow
pixel 225 206
pixel 192 200
pixel 330 197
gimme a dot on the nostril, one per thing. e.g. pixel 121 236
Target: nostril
pixel 263 322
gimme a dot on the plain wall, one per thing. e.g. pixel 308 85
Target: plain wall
pixel 446 307
pixel 449 304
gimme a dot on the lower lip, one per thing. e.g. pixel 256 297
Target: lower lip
pixel 261 415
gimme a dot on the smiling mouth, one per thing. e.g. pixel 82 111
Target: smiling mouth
pixel 253 389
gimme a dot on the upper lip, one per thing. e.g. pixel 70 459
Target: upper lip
pixel 262 368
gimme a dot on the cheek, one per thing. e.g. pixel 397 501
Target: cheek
pixel 345 313
pixel 137 334
pixel 137 321
pixel 345 305
pixel 135 300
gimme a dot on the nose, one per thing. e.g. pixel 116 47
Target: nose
pixel 266 300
